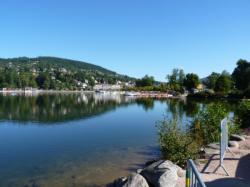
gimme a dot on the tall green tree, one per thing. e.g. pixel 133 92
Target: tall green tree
pixel 241 75
pixel 211 80
pixel 223 83
pixel 43 81
pixel 191 81
pixel 145 81
pixel 176 79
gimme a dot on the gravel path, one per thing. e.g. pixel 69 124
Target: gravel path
pixel 236 163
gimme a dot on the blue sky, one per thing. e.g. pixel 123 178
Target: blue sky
pixel 133 37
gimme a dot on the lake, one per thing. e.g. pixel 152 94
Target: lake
pixel 80 139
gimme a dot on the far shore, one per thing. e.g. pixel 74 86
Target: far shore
pixel 138 94
pixel 44 91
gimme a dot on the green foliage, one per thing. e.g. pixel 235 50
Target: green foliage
pixel 147 103
pixel 243 113
pixel 176 145
pixel 191 81
pixel 211 80
pixel 176 80
pixel 53 73
pixel 145 81
pixel 241 75
pixel 51 108
pixel 223 83
pixel 207 123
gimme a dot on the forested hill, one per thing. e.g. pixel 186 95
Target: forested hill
pixel 54 73
pixel 52 62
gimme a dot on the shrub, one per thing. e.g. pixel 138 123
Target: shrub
pixel 243 113
pixel 176 144
pixel 247 93
pixel 207 123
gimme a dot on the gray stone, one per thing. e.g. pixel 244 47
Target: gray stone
pixel 233 144
pixel 162 173
pixel 236 137
pixel 119 182
pixel 181 172
pixel 135 180
pixel 138 170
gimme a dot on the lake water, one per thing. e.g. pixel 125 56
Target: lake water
pixel 71 140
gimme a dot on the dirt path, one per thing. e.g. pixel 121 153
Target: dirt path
pixel 236 163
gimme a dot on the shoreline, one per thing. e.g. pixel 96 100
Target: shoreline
pixel 134 94
pixel 139 94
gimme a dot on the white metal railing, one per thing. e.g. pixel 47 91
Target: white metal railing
pixel 223 144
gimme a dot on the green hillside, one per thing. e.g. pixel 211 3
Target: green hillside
pixel 54 73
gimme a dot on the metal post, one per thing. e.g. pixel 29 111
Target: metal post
pixel 223 144
pixel 195 180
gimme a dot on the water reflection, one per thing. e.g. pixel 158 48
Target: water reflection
pixel 52 108
pixel 100 136
pixel 60 107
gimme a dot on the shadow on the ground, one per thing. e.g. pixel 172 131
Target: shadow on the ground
pixel 243 168
pixel 228 182
pixel 212 158
pixel 242 177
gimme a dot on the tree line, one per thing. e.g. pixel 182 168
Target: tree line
pixel 236 84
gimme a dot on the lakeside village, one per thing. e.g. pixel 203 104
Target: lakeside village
pixel 30 76
pixel 125 88
pixel 145 87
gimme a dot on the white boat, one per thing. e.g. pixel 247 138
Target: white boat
pixel 131 94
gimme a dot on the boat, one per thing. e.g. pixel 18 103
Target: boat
pixel 131 94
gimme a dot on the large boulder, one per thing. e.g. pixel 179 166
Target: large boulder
pixel 162 173
pixel 233 144
pixel 133 180
pixel 236 137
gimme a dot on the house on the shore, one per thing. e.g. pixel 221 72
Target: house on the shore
pixel 107 87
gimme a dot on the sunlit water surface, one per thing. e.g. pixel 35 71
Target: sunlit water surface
pixel 65 140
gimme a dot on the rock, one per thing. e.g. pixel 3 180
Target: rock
pixel 133 180
pixel 119 182
pixel 150 162
pixel 233 144
pixel 236 137
pixel 162 173
pixel 139 171
pixel 181 172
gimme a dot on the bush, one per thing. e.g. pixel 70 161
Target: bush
pixel 243 113
pixel 207 123
pixel 236 94
pixel 247 93
pixel 176 145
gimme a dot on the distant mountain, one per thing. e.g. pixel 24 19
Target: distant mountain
pixel 53 62
pixel 54 73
